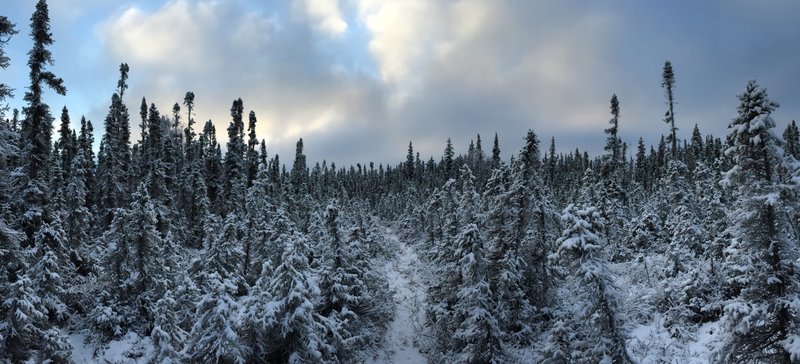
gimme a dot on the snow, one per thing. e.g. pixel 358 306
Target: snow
pixel 399 346
pixel 651 343
pixel 129 349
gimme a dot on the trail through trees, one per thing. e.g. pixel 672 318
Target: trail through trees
pixel 400 342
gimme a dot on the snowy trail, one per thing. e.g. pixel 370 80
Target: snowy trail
pixel 403 275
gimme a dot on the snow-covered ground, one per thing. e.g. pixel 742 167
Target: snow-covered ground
pixel 400 343
pixel 129 349
pixel 652 343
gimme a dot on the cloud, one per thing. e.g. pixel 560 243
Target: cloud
pixel 373 74
pixel 457 68
pixel 222 51
pixel 326 15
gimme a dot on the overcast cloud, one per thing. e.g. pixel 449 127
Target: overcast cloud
pixel 358 79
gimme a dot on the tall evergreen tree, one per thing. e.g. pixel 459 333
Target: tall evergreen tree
pixel 251 157
pixel 37 128
pixel 114 156
pixel 448 161
pixel 212 165
pixel 668 83
pixel 496 160
pixel 408 167
pixel 478 337
pixel 235 171
pixel 66 145
pixel 792 138
pixel 761 322
pixel 613 143
pixel 299 169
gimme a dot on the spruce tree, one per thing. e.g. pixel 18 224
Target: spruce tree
pixel 235 178
pixel 760 320
pixel 114 156
pixel 792 138
pixel 342 290
pixel 214 337
pixel 510 240
pixel 212 166
pixel 298 331
pixel 478 337
pixel 408 167
pixel 668 83
pixel 595 317
pixel 299 169
pixel 168 338
pixel 613 143
pixel 38 124
pixel 251 157
pixel 496 160
pixel 448 161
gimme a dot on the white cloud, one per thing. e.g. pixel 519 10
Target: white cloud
pixel 326 15
pixel 467 66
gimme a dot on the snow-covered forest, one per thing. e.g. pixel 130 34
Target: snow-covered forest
pixel 189 246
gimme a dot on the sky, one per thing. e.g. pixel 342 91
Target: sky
pixel 359 79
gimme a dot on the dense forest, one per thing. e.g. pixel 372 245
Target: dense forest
pixel 212 253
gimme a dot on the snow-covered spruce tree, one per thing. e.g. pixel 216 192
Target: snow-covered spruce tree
pixel 139 263
pixel 37 128
pixel 611 195
pixel 28 334
pixel 35 303
pixel 251 156
pixel 443 288
pixel 685 247
pixel 376 305
pixel 214 337
pixel 761 318
pixel 51 271
pixel 167 337
pixel 258 316
pixel 212 165
pixel 792 138
pixel 299 176
pixel 298 335
pixel 507 234
pixel 342 290
pixel 477 336
pixel 235 177
pixel 712 204
pixel 223 254
pixel 594 300
pixel 536 221
pixel 668 83
pixel 256 247
pixel 112 180
pixel 79 218
pixel 12 261
pixel 194 195
pixel 683 229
